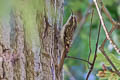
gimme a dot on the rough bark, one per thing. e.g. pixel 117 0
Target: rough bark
pixel 29 40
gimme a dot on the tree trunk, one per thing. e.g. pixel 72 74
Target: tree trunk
pixel 29 39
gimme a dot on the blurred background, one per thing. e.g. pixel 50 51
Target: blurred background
pixel 76 69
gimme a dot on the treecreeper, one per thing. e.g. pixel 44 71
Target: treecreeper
pixel 66 36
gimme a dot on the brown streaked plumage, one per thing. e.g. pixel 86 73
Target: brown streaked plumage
pixel 67 37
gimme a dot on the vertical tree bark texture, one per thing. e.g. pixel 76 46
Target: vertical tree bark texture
pixel 29 40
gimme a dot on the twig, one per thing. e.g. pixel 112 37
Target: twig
pixel 95 56
pixel 103 52
pixel 103 43
pixel 105 29
pixel 108 15
pixel 108 69
pixel 90 50
pixel 79 59
pixel 102 46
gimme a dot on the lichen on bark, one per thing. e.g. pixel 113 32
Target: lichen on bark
pixel 29 39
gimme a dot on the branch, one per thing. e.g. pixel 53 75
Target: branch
pixel 90 50
pixel 102 46
pixel 103 43
pixel 103 52
pixel 105 29
pixel 79 59
pixel 108 15
pixel 95 56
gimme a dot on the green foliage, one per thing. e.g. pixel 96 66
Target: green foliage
pixel 109 76
pixel 101 59
pixel 80 47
